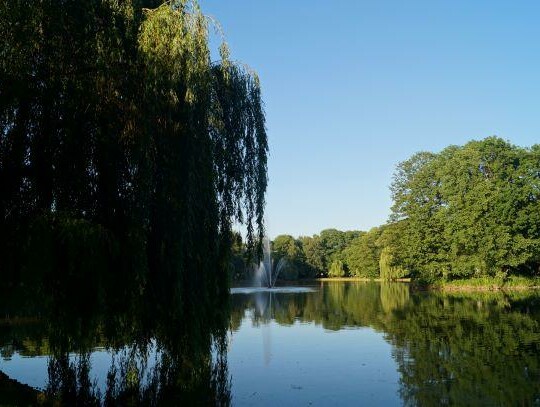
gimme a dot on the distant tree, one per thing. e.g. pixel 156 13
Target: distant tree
pixel 334 242
pixel 350 235
pixel 336 269
pixel 362 255
pixel 388 269
pixel 391 239
pixel 314 255
pixel 287 247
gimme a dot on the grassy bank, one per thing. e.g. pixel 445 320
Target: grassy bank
pixel 515 283
pixel 485 284
pixel 512 283
pixel 404 280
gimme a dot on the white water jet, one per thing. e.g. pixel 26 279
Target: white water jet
pixel 266 273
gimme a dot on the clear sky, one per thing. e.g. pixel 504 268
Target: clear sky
pixel 353 87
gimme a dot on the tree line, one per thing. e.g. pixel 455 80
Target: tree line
pixel 331 253
pixel 468 211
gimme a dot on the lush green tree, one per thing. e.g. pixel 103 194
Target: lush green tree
pixel 287 246
pixel 362 255
pixel 392 256
pixel 314 255
pixel 120 138
pixel 416 192
pixel 468 211
pixel 336 269
pixel 290 249
pixel 495 209
pixel 334 242
pixel 389 270
pixel 350 235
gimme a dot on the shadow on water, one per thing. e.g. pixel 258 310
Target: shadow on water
pixel 449 349
pixel 163 351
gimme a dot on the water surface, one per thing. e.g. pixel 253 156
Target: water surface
pixel 342 343
pixel 381 344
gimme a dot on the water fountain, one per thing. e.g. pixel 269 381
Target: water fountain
pixel 266 273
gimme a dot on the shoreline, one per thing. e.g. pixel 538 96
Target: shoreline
pixel 467 285
pixel 477 288
pixel 399 280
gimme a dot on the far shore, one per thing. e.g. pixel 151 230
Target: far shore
pixel 401 280
pixel 469 285
pixel 470 288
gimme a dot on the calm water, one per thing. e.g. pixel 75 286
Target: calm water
pixel 330 344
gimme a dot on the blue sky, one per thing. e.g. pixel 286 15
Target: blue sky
pixel 353 87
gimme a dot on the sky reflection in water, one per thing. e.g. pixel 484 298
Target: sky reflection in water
pixel 333 344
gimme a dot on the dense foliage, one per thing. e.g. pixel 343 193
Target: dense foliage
pixel 468 211
pixel 362 255
pixel 122 145
pixel 332 253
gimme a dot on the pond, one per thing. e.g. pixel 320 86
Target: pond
pixel 342 343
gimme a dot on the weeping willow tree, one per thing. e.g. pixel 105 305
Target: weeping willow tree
pixel 388 269
pixel 123 145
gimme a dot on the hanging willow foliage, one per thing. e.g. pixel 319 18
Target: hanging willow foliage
pixel 115 121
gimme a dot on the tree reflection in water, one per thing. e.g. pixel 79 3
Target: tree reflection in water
pixel 481 348
pixel 165 351
pixel 451 349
